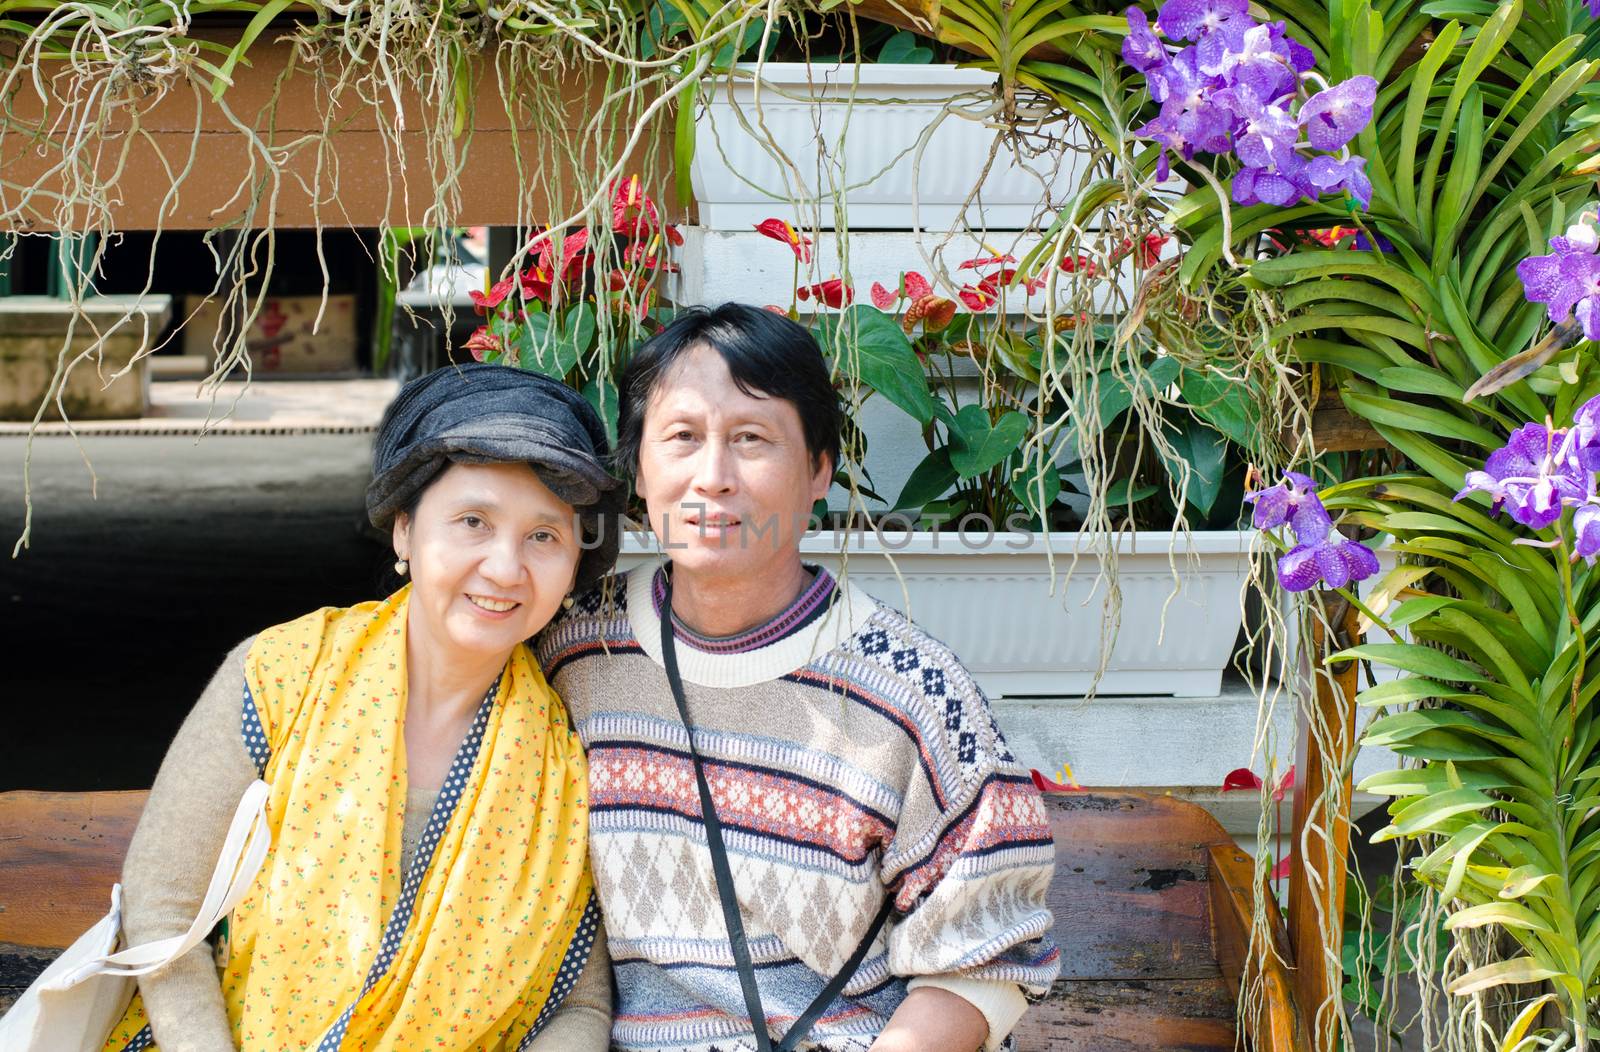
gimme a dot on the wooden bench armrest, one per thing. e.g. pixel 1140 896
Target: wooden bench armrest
pixel 1257 973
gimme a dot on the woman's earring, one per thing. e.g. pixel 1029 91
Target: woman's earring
pixel 566 604
pixel 402 567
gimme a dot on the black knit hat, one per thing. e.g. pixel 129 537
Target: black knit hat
pixel 476 413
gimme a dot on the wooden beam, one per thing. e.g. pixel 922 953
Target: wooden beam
pixel 1321 834
pixel 367 179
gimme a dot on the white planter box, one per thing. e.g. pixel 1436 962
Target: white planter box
pixel 33 330
pixel 1021 634
pixel 835 129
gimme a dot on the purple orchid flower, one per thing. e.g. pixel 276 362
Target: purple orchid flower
pixel 1196 19
pixel 1268 132
pixel 1567 280
pixel 1329 175
pixel 1585 436
pixel 1293 501
pixel 1586 525
pixel 1533 477
pixel 1142 49
pixel 1335 116
pixel 1190 119
pixel 1334 559
pixel 1269 62
pixel 1253 186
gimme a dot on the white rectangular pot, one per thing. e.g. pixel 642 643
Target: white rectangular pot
pixel 1022 632
pixel 833 126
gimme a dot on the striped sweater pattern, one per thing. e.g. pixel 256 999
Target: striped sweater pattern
pixel 850 757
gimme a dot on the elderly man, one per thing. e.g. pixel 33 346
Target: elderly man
pixel 801 810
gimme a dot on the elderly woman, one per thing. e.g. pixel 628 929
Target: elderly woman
pixel 428 885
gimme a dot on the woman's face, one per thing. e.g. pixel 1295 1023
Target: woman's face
pixel 492 554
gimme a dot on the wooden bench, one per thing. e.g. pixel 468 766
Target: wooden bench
pixel 1151 898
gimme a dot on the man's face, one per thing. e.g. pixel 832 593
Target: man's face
pixel 725 475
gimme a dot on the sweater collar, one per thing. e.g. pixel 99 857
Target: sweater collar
pixel 810 604
pixel 842 611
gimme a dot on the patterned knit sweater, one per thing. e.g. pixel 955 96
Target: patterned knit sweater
pixel 850 756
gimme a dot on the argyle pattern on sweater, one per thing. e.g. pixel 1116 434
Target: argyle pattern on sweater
pixel 851 759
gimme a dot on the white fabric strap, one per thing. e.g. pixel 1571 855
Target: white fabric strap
pixel 243 851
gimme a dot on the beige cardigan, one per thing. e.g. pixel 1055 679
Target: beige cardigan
pixel 175 848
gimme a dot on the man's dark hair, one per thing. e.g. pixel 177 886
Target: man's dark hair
pixel 767 354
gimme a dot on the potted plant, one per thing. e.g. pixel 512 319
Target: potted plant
pixel 984 543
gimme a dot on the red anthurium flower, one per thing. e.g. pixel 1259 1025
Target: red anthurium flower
pixel 986 261
pixel 537 283
pixel 632 211
pixel 774 308
pixel 833 293
pixel 573 253
pixel 1240 778
pixel 916 285
pixel 1049 785
pixel 481 341
pixel 486 303
pixel 934 312
pixel 1284 867
pixel 778 230
pixel 1284 784
pixel 993 282
pixel 1073 264
pixel 648 254
pixel 882 298
pixel 674 236
pixel 977 298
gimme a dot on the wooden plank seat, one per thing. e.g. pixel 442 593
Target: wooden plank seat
pixel 1151 901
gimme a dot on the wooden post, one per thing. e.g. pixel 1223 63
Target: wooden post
pixel 1317 879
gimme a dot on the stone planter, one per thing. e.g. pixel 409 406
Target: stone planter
pixel 834 128
pixel 1023 634
pixel 33 330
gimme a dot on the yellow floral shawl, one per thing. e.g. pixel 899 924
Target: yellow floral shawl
pixel 334 947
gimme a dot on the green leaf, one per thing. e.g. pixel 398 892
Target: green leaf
pixel 1205 453
pixel 1401 691
pixel 1116 395
pixel 1517 970
pixel 541 348
pixel 1417 781
pixel 1123 492
pixel 602 395
pixel 263 17
pixel 869 348
pixel 581 327
pixel 902 48
pixel 1227 405
pixel 1027 484
pixel 1409 657
pixel 977 445
pixel 1416 417
pixel 929 481
pixel 1424 815
pixel 683 141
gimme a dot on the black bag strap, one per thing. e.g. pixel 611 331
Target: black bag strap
pixel 724 873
